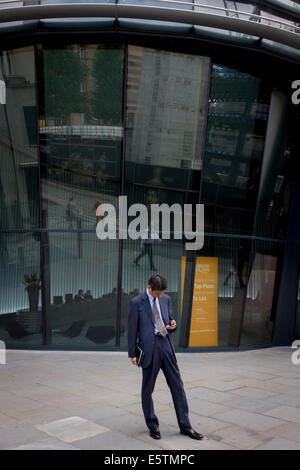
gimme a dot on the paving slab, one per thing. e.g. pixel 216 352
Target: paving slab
pixel 251 404
pixel 126 423
pixel 32 391
pixel 107 441
pixel 286 399
pixel 239 437
pixel 252 392
pixel 102 411
pixel 200 423
pixel 288 431
pixel 172 440
pixel 206 424
pixel 72 429
pixel 47 444
pixel 205 407
pixel 41 415
pixel 137 408
pixel 13 405
pixel 17 434
pixel 288 413
pixel 214 396
pixel 279 444
pixel 221 386
pixel 253 421
pixel 267 385
pixel 7 420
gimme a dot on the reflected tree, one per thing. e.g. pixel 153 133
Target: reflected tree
pixel 64 73
pixel 108 74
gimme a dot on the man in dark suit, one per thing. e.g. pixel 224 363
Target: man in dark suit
pixel 150 319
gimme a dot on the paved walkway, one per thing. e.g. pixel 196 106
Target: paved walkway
pixel 91 400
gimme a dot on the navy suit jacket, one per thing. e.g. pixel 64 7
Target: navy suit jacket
pixel 141 325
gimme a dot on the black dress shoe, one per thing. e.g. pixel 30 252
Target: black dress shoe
pixel 154 433
pixel 193 434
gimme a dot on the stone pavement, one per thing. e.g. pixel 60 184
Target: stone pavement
pixel 91 400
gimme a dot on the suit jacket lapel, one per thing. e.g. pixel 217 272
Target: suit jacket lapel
pixel 148 307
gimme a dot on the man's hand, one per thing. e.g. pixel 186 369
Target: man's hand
pixel 172 326
pixel 133 361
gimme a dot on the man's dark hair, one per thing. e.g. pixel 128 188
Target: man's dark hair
pixel 157 282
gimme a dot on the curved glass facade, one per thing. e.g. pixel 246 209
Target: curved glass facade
pixel 83 123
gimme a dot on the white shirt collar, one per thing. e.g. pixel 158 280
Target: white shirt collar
pixel 151 298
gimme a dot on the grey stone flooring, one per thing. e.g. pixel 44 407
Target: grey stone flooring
pixel 91 400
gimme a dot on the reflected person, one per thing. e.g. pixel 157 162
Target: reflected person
pixel 146 247
pixel 241 259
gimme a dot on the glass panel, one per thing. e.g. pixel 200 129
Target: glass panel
pixel 84 272
pixel 231 255
pixel 276 173
pixel 258 319
pixel 271 222
pixel 81 132
pixel 81 137
pixel 21 312
pixel 165 122
pixel 238 111
pixel 167 95
pixel 18 162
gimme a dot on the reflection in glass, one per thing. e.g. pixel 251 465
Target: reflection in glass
pixel 165 127
pixel 232 255
pixel 166 113
pixel 258 319
pixel 81 133
pixel 276 173
pixel 21 313
pixel 81 137
pixel 83 302
pixel 271 221
pixel 238 111
pixel 18 163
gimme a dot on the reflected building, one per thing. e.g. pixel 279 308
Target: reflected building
pixel 168 117
pixel 160 112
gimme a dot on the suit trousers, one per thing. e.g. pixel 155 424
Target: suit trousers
pixel 164 358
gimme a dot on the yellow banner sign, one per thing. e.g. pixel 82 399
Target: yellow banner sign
pixel 204 321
